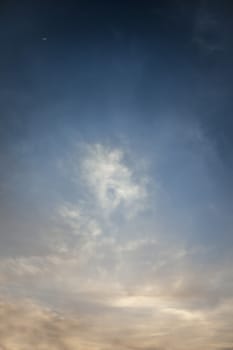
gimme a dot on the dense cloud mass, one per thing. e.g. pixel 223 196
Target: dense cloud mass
pixel 116 175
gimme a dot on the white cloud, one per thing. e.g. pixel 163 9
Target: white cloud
pixel 78 220
pixel 112 181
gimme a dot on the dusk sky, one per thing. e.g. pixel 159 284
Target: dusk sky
pixel 116 175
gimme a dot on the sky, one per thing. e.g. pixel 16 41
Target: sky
pixel 116 168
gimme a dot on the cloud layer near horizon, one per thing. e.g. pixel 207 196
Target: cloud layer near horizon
pixel 117 279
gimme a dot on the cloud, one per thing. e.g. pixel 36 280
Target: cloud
pixel 206 30
pixel 211 28
pixel 78 221
pixel 25 324
pixel 138 273
pixel 111 180
pixel 166 305
pixel 149 289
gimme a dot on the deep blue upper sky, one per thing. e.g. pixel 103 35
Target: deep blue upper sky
pixel 146 59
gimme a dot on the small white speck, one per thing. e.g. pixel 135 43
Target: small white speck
pixel 44 38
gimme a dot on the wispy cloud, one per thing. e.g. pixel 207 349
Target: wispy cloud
pixel 105 260
pixel 112 181
pixel 210 33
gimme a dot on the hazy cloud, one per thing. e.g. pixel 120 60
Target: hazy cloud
pixel 113 182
